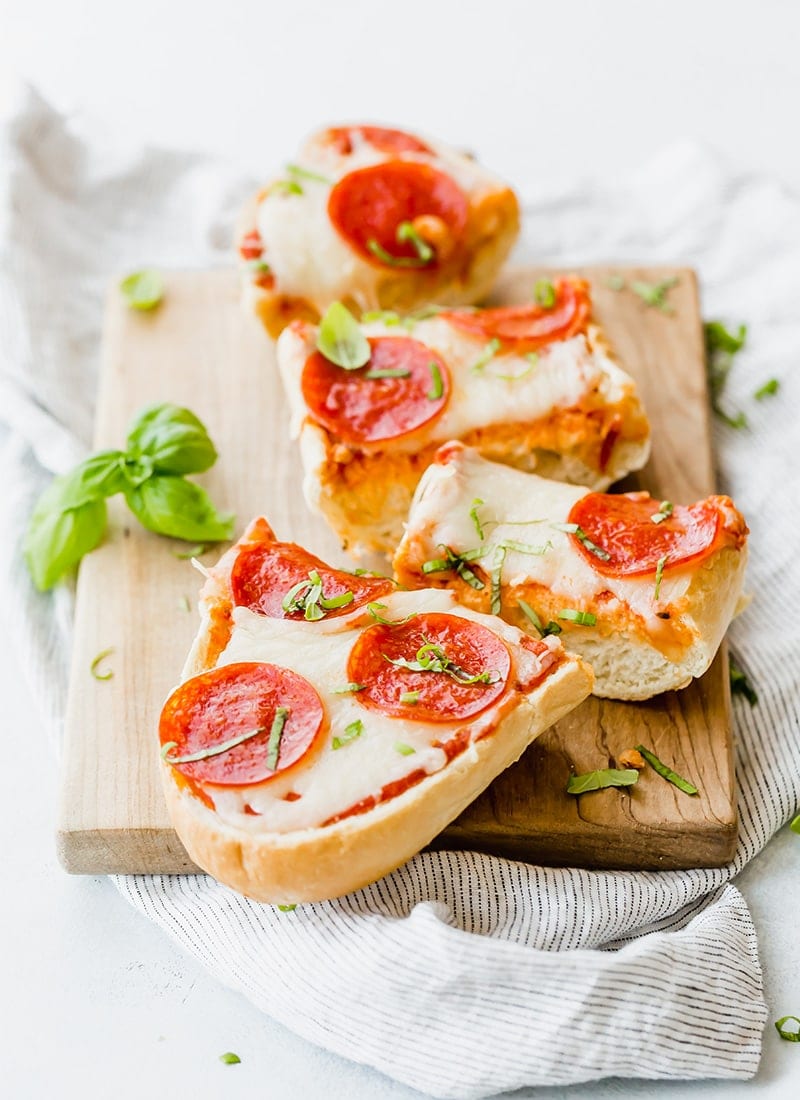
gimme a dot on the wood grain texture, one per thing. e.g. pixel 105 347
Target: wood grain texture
pixel 200 349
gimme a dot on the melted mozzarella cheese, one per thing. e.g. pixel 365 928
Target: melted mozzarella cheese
pixel 522 508
pixel 563 373
pixel 334 780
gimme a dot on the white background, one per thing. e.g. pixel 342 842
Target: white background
pixel 97 1002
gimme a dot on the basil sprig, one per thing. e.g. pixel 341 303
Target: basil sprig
pixel 165 442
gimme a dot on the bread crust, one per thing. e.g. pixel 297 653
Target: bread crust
pixel 326 862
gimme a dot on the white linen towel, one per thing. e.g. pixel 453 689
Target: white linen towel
pixel 460 974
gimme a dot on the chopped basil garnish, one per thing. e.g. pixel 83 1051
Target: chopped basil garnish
pixel 664 512
pixel 795 825
pixel 403 749
pixel 458 562
pixel 489 351
pixel 599 780
pixel 662 561
pixel 375 611
pixel 229 1058
pixel 544 293
pixel 497 579
pixel 667 773
pixel 437 386
pixel 215 750
pixel 576 530
pixel 259 266
pixel 287 908
pixel 551 628
pixel 386 317
pixel 767 390
pixel 407 232
pixel 389 372
pixel 533 361
pixel 275 735
pixel 94 666
pixel 740 685
pixel 143 290
pixel 473 515
pixel 792 1035
pixel 615 282
pixel 193 552
pixel 655 294
pixel 409 698
pixel 526 547
pixel 341 340
pixel 430 657
pixel 582 618
pixel 347 689
pixel 286 187
pixel 298 172
pixel 351 732
pixel 721 347
pixel 308 597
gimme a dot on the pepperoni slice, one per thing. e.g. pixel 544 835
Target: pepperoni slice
pixel 358 407
pixel 528 327
pixel 379 137
pixel 251 246
pixel 468 648
pixel 219 705
pixel 368 207
pixel 622 526
pixel 265 572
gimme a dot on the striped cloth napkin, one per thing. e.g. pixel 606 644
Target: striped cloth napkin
pixel 460 974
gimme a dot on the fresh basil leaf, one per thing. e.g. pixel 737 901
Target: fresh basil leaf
pixel 58 537
pixel 143 289
pixel 171 505
pixel 599 780
pixel 341 340
pixel 172 438
pixel 791 1034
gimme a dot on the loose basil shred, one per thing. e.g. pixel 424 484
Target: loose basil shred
pixel 143 290
pixel 403 749
pixel 489 351
pixel 275 736
pixel 348 689
pixel 93 667
pixel 409 698
pixel 229 1058
pixel 582 618
pixel 407 232
pixel 792 1035
pixel 287 908
pixel 662 561
pixel 457 562
pixel 431 657
pixel 341 340
pixel 666 772
pixel 214 750
pixel 544 293
pixel 473 515
pixel 375 611
pixel 795 825
pixel 437 385
pixel 740 685
pixel 767 390
pixel 721 347
pixel 655 294
pixel 551 628
pixel 298 172
pixel 497 579
pixel 350 733
pixel 664 512
pixel 308 596
pixel 599 780
pixel 576 530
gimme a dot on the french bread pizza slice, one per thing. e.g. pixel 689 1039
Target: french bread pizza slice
pixel 328 726
pixel 641 588
pixel 533 386
pixel 379 218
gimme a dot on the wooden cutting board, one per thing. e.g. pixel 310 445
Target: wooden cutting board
pixel 202 350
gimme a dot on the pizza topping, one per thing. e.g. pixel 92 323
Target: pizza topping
pixel 457 667
pixel 403 386
pixel 240 724
pixel 666 508
pixel 378 211
pixel 340 338
pixel 457 562
pixel 544 293
pixel 622 527
pixel 283 581
pixel 379 137
pixel 529 327
pixel 350 733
